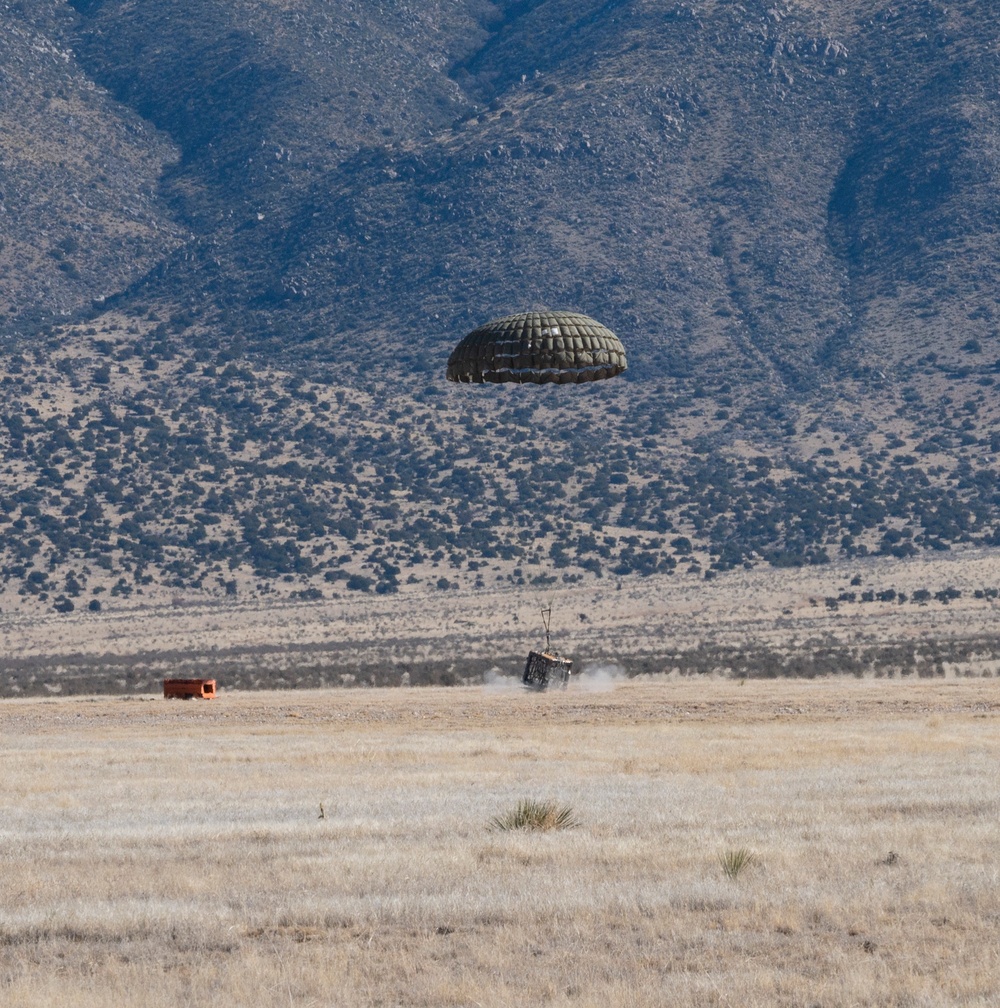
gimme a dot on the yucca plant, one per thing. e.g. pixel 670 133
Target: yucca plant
pixel 735 862
pixel 535 815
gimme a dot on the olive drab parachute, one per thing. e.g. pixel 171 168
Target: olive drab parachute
pixel 538 347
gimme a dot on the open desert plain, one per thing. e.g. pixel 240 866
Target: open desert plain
pixel 934 614
pixel 745 843
pixel 341 340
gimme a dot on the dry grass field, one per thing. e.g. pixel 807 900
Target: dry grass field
pixel 158 853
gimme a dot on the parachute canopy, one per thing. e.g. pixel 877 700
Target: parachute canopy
pixel 538 347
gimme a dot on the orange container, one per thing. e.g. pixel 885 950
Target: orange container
pixel 185 689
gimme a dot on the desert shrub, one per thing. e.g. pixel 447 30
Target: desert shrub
pixel 529 814
pixel 735 862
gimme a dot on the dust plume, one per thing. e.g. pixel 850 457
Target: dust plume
pixel 598 676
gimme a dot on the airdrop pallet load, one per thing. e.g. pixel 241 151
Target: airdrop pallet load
pixel 546 668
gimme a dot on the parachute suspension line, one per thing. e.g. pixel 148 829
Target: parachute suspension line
pixel 546 622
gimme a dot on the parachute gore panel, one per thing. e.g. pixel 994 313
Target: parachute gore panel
pixel 538 347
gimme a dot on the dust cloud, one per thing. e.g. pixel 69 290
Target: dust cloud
pixel 598 677
pixel 494 681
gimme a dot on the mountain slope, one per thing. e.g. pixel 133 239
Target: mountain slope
pixel 787 212
pixel 80 214
pixel 776 187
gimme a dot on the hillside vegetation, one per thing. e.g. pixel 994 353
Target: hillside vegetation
pixel 240 240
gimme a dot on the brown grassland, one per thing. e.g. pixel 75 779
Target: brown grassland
pixel 333 847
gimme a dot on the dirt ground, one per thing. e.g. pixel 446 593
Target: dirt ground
pixel 599 702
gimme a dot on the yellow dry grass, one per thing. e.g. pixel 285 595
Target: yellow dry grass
pixel 164 854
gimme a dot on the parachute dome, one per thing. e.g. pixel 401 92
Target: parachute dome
pixel 538 347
